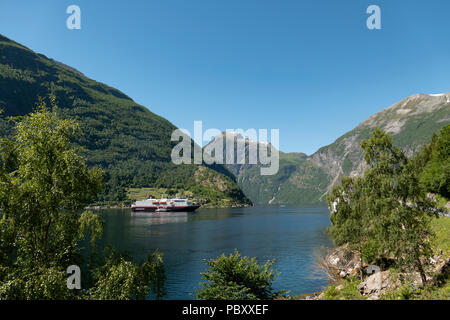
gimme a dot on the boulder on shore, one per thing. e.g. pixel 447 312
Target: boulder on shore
pixel 343 261
pixel 376 284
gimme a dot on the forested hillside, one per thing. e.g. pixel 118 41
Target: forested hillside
pixel 306 179
pixel 128 141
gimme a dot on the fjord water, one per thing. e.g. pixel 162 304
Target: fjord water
pixel 291 236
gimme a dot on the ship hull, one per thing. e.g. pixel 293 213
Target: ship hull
pixel 166 209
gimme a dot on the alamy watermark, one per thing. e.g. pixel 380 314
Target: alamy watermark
pixel 74 280
pixel 374 20
pixel 234 146
pixel 74 20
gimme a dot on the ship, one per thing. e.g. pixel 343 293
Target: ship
pixel 164 205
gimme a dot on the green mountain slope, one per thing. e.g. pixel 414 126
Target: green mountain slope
pixel 305 180
pixel 131 143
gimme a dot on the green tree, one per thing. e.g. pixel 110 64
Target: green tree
pixel 436 174
pixel 350 223
pixel 388 214
pixel 120 279
pixel 237 278
pixel 44 186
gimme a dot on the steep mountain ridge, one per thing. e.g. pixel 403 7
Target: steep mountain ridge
pixel 411 122
pixel 271 189
pixel 133 144
pixel 128 141
pixel 306 179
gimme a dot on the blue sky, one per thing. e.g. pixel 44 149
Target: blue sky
pixel 309 68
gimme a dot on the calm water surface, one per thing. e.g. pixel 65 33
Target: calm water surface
pixel 291 236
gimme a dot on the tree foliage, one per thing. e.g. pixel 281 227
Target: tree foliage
pixel 237 278
pixel 44 186
pixel 436 173
pixel 385 214
pixel 130 143
pixel 120 279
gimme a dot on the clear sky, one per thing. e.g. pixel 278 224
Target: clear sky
pixel 310 68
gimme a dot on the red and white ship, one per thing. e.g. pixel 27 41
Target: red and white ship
pixel 164 205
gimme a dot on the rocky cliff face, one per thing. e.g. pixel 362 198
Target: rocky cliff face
pixel 411 122
pixel 306 179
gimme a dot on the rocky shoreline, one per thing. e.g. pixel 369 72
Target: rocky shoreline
pixel 343 263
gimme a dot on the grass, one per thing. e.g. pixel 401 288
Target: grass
pixel 406 292
pixel 345 289
pixel 436 293
pixel 441 228
pixel 441 201
pixel 441 243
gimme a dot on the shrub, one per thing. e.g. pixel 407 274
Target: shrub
pixel 235 277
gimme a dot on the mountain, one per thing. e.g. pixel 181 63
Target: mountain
pixel 128 141
pixel 133 145
pixel 304 179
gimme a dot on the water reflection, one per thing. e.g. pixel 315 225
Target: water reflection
pixel 289 235
pixel 157 218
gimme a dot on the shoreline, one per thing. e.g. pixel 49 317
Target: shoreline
pixel 123 207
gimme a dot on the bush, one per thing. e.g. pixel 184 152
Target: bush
pixel 346 289
pixel 238 278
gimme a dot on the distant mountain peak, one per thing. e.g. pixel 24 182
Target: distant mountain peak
pixel 238 137
pixel 301 180
pixel 394 118
pixel 231 134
